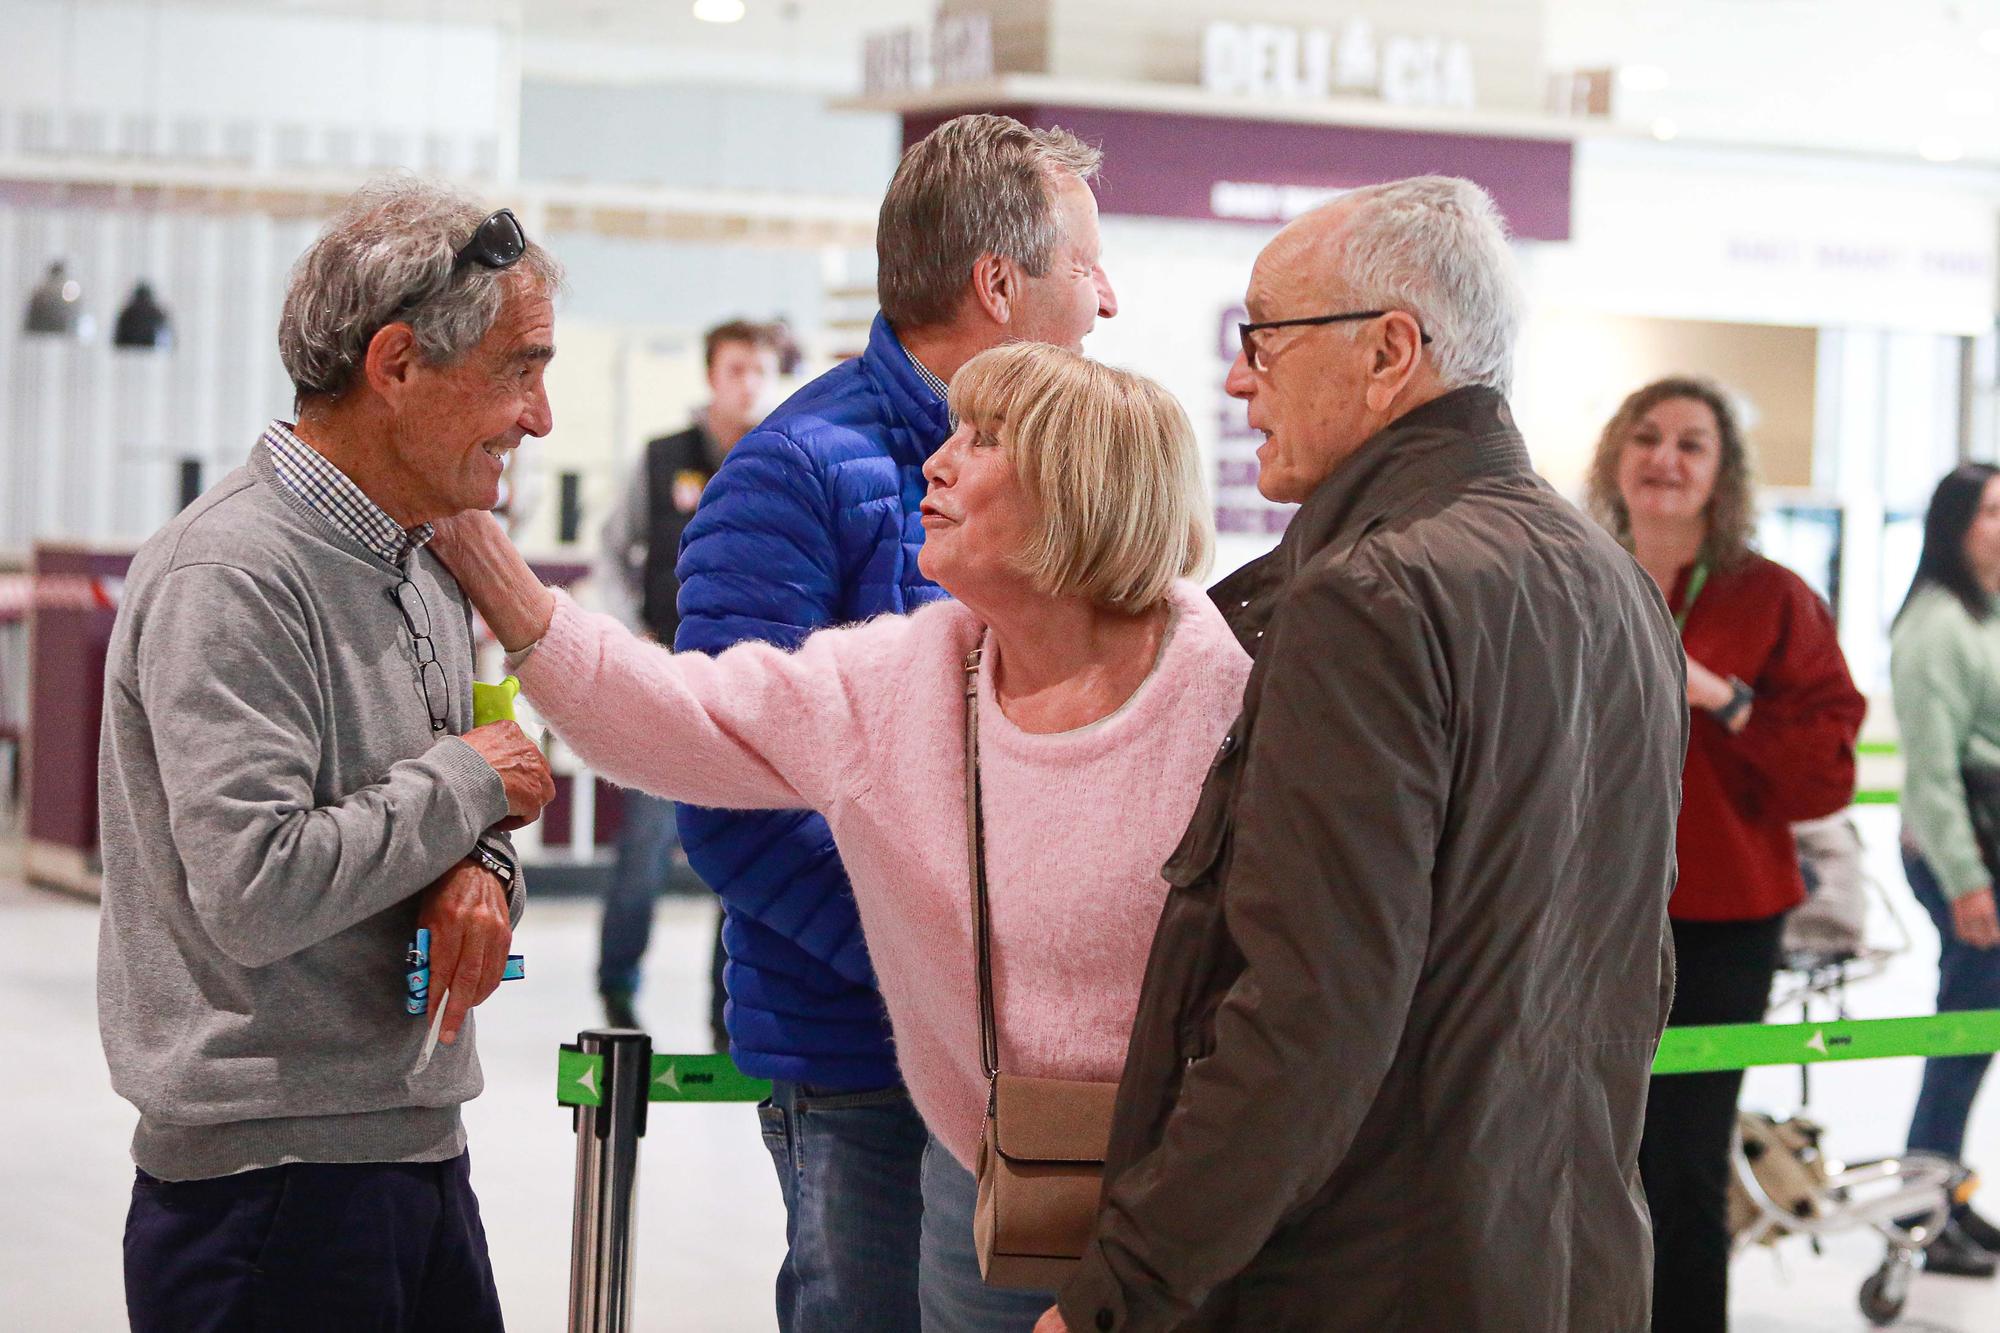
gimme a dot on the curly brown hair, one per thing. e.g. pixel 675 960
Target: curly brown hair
pixel 1732 507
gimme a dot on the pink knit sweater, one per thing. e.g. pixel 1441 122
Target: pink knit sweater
pixel 866 725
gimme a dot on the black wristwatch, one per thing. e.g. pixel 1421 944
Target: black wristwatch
pixel 1741 696
pixel 493 865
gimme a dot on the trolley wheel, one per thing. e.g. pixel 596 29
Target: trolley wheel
pixel 1885 1293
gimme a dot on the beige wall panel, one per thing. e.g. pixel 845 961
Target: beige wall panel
pixel 1020 31
pixel 1575 367
pixel 1160 40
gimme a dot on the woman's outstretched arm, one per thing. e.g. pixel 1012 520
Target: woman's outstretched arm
pixel 754 728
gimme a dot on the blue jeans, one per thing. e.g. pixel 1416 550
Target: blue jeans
pixel 648 861
pixel 849 1165
pixel 954 1297
pixel 1968 978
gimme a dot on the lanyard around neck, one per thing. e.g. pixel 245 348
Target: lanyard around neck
pixel 1696 582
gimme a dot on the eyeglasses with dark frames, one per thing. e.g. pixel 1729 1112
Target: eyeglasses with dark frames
pixel 1255 356
pixel 409 599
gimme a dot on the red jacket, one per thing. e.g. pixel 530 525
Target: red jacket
pixel 1793 760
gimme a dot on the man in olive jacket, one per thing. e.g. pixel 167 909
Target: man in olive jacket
pixel 1389 1066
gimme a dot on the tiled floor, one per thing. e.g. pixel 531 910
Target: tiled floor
pixel 710 1231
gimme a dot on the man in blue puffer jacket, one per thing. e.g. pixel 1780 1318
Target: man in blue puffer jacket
pixel 988 234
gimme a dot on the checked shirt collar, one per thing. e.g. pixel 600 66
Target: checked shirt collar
pixel 333 495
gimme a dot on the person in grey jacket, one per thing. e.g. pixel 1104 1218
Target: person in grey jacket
pixel 1389 1067
pixel 290 786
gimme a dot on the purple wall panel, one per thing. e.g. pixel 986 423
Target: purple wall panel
pixel 69 631
pixel 1160 164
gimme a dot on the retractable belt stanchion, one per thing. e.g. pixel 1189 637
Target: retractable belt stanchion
pixel 610 1075
pixel 607 1176
pixel 607 1079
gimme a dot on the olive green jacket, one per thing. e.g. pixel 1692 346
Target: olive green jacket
pixel 1389 1067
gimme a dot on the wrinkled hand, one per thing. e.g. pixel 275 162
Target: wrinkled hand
pixel 469 537
pixel 1974 921
pixel 1051 1322
pixel 466 914
pixel 523 769
pixel 449 536
pixel 484 560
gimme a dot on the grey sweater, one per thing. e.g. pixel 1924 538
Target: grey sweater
pixel 271 800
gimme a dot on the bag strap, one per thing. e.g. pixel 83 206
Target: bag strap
pixel 975 838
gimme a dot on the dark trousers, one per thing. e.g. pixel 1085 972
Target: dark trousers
pixel 649 863
pixel 1723 974
pixel 1968 978
pixel 383 1247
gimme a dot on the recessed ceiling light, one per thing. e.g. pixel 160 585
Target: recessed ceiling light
pixel 1664 129
pixel 718 11
pixel 1643 78
pixel 1940 150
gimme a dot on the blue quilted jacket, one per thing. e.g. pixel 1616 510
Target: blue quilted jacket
pixel 811 521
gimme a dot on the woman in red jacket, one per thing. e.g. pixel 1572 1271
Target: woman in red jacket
pixel 1775 715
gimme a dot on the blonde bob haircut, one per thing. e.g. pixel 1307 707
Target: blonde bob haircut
pixel 1110 461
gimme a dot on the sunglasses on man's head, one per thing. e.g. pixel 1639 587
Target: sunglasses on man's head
pixel 499 243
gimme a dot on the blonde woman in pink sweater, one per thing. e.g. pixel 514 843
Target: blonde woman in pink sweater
pixel 1066 516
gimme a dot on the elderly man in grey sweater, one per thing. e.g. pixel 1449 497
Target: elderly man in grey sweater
pixel 291 786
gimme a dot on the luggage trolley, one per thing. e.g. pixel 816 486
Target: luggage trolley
pixel 1784 1182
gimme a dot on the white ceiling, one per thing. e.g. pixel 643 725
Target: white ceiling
pixel 1856 74
pixel 812 43
pixel 1883 76
pixel 765 23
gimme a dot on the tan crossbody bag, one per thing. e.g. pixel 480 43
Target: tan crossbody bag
pixel 1041 1158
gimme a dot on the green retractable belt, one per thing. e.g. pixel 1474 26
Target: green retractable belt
pixel 675 1078
pixel 1697 1050
pixel 1694 1050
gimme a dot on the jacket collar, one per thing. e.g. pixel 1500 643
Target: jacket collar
pixel 909 398
pixel 1466 433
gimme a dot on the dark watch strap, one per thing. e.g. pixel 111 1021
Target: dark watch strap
pixel 1741 696
pixel 493 865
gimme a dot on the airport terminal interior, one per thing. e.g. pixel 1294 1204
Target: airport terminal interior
pixel 1797 200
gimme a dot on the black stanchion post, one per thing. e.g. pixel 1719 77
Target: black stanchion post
pixel 607 1176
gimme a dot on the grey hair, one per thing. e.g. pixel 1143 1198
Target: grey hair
pixel 388 256
pixel 975 185
pixel 1437 247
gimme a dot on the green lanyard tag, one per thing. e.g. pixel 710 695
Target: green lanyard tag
pixel 1696 581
